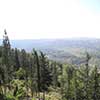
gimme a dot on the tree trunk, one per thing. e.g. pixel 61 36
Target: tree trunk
pixel 44 95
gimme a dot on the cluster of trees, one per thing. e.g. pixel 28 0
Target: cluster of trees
pixel 32 74
pixel 31 69
pixel 81 83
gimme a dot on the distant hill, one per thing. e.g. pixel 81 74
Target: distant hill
pixel 64 50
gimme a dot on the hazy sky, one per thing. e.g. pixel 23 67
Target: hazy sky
pixel 27 19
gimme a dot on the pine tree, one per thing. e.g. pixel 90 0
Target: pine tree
pixel 36 59
pixel 96 85
pixel 46 77
pixel 45 74
pixel 87 78
pixel 17 63
pixel 54 75
pixel 25 66
pixel 33 81
pixel 6 59
pixel 70 88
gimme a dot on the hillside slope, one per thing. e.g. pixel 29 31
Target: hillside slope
pixel 64 50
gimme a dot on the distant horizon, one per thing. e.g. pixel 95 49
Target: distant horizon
pixel 67 38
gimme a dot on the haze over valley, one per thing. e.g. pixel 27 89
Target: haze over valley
pixel 69 50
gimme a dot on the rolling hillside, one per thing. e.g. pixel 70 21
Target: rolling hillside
pixel 64 50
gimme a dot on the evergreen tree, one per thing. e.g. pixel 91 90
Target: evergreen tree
pixel 17 63
pixel 25 66
pixel 45 73
pixel 36 59
pixel 6 59
pixel 54 75
pixel 87 79
pixel 33 81
pixel 70 88
pixel 96 85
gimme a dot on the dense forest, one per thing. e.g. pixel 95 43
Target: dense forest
pixel 33 76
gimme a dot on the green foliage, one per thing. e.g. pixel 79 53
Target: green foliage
pixel 20 74
pixel 53 96
pixel 29 75
pixel 10 97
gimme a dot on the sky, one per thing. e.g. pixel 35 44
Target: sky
pixel 36 19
